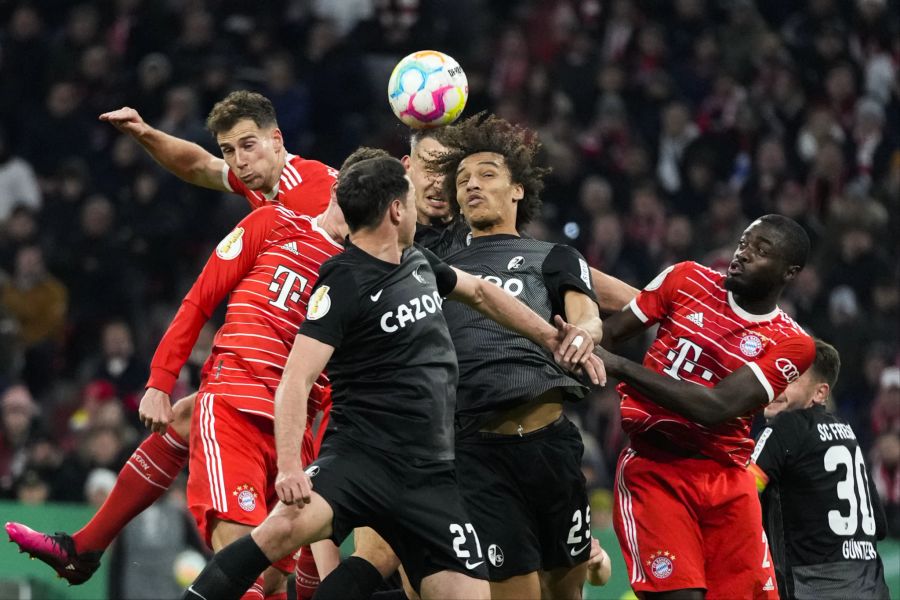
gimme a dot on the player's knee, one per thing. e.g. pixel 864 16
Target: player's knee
pixel 274 581
pixel 382 559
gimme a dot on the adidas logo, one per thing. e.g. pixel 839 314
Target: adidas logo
pixel 696 318
pixel 291 247
pixel 769 585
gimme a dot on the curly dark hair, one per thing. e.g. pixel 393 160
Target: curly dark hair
pixel 238 105
pixel 489 133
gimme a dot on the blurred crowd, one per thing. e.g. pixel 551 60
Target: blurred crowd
pixel 669 125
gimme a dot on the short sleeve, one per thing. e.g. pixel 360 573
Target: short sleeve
pixel 783 363
pixel 333 305
pixel 776 445
pixel 654 301
pixel 565 269
pixel 444 274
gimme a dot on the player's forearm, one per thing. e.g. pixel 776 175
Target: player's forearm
pixel 500 306
pixel 175 347
pixel 291 399
pixel 612 294
pixel 695 402
pixel 186 160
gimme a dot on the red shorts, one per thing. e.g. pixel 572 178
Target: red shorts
pixel 691 523
pixel 232 467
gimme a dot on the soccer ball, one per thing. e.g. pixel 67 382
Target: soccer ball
pixel 428 89
pixel 187 566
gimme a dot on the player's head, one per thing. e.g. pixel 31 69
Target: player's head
pixel 488 168
pixel 334 215
pixel 376 191
pixel 770 253
pixel 432 206
pixel 246 130
pixel 811 388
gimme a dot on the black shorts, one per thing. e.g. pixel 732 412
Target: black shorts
pixel 413 503
pixel 527 496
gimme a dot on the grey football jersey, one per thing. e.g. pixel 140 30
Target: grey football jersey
pixel 498 368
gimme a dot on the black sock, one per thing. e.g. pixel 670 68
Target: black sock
pixel 354 579
pixel 230 573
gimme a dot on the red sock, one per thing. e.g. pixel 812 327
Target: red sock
pixel 144 478
pixel 256 591
pixel 306 575
pixel 278 596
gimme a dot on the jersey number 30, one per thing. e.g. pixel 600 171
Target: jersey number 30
pixel 854 485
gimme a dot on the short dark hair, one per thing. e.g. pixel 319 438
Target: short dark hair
pixel 363 153
pixel 365 190
pixel 827 364
pixel 489 133
pixel 241 105
pixel 436 133
pixel 794 243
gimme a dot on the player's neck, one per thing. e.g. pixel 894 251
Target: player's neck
pixel 381 242
pixel 757 306
pixel 494 229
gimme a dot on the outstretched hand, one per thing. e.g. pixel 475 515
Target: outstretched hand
pixel 127 120
pixel 574 351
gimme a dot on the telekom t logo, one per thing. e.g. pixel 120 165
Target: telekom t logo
pixel 289 288
pixel 686 359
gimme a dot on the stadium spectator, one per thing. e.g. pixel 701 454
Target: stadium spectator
pixel 18 424
pixel 18 185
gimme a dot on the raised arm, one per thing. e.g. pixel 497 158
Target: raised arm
pixel 306 361
pixel 184 159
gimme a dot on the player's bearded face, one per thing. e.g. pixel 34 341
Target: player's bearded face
pixel 485 192
pixel 253 154
pixel 431 205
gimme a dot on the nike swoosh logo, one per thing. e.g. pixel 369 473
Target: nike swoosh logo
pixel 577 551
pixel 473 565
pixel 191 590
pixel 374 297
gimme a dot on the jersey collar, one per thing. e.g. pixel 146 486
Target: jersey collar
pixel 747 316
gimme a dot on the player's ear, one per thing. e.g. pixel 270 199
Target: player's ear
pixel 518 192
pixel 277 139
pixel 791 272
pixel 406 161
pixel 820 396
pixel 395 211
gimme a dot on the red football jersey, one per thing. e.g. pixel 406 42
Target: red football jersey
pixel 305 186
pixel 703 337
pixel 269 263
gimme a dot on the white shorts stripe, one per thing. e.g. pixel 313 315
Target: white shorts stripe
pixel 628 522
pixel 213 455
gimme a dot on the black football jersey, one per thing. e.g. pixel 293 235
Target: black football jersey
pixel 821 511
pixel 393 370
pixel 444 240
pixel 500 369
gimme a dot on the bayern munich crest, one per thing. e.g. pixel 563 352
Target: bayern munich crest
pixel 246 497
pixel 751 345
pixel 661 564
